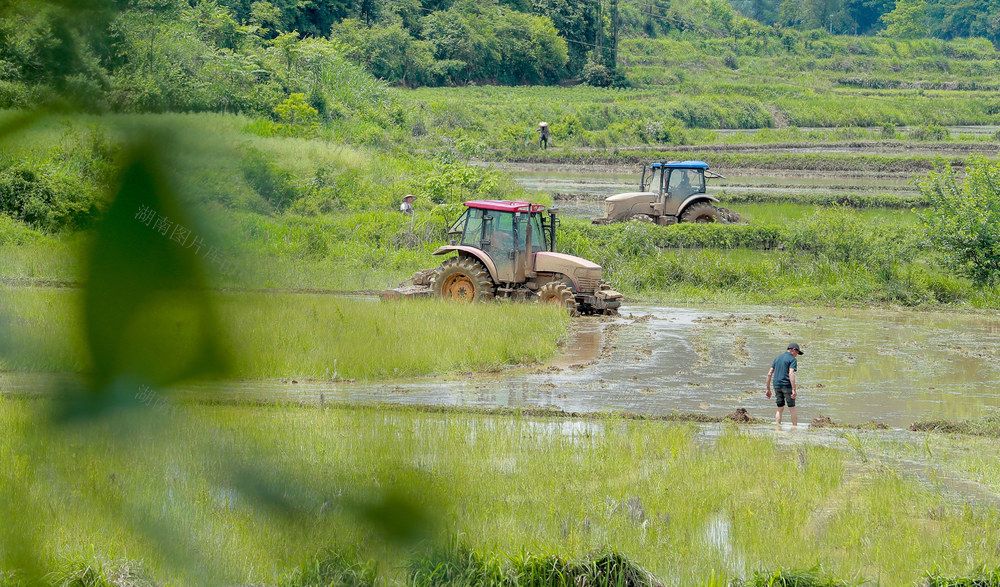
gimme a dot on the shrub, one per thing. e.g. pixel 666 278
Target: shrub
pixel 595 74
pixel 657 131
pixel 47 198
pixel 298 118
pixel 963 221
pixel 929 132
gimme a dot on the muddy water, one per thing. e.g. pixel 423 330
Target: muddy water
pixel 976 130
pixel 895 367
pixel 580 190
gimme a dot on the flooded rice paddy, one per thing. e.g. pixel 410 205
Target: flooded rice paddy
pixel 580 191
pixel 860 365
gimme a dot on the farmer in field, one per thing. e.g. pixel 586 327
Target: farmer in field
pixel 543 135
pixel 783 373
pixel 407 206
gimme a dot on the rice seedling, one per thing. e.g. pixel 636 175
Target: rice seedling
pixel 524 501
pixel 306 335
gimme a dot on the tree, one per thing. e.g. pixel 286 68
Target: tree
pixel 388 51
pixel 908 20
pixel 576 21
pixel 531 49
pixel 963 222
pixel 467 37
pixel 866 14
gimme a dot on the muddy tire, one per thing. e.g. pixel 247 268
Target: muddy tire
pixel 701 212
pixel 558 294
pixel 462 279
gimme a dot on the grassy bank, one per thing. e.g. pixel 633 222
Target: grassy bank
pixel 283 335
pixel 293 213
pixel 690 508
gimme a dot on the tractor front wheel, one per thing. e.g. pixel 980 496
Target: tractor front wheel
pixel 700 212
pixel 558 294
pixel 462 279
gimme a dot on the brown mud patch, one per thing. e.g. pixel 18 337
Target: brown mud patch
pixel 741 416
pixel 988 426
pixel 822 422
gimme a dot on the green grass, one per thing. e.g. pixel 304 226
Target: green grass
pixel 979 577
pixel 793 205
pixel 520 494
pixel 301 335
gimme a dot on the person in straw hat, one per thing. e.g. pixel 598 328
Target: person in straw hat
pixel 407 206
pixel 543 132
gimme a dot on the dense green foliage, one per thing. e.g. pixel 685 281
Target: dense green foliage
pixel 481 44
pixel 963 221
pixel 60 188
pixel 310 181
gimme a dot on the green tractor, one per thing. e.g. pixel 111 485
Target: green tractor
pixel 669 192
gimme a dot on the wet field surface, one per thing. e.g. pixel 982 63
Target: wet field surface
pixel 580 191
pixel 894 367
pixel 860 365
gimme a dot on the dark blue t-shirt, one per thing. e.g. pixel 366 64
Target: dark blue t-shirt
pixel 781 365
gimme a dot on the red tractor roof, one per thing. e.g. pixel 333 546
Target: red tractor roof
pixel 505 206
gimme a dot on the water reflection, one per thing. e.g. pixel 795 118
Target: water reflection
pixel 892 366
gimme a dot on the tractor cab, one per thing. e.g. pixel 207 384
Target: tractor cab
pixel 669 192
pixel 677 180
pixel 509 232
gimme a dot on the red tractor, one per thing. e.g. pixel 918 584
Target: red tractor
pixel 506 249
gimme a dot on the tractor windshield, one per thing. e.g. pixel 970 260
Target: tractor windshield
pixel 500 230
pixel 685 182
pixel 458 227
pixel 473 233
pixel 539 238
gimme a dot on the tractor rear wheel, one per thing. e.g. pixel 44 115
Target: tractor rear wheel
pixel 558 294
pixel 462 279
pixel 700 212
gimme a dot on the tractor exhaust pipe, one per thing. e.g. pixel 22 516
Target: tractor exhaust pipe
pixel 552 228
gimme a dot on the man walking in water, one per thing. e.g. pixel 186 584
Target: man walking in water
pixel 783 372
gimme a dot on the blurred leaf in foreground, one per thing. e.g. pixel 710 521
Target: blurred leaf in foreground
pixel 147 313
